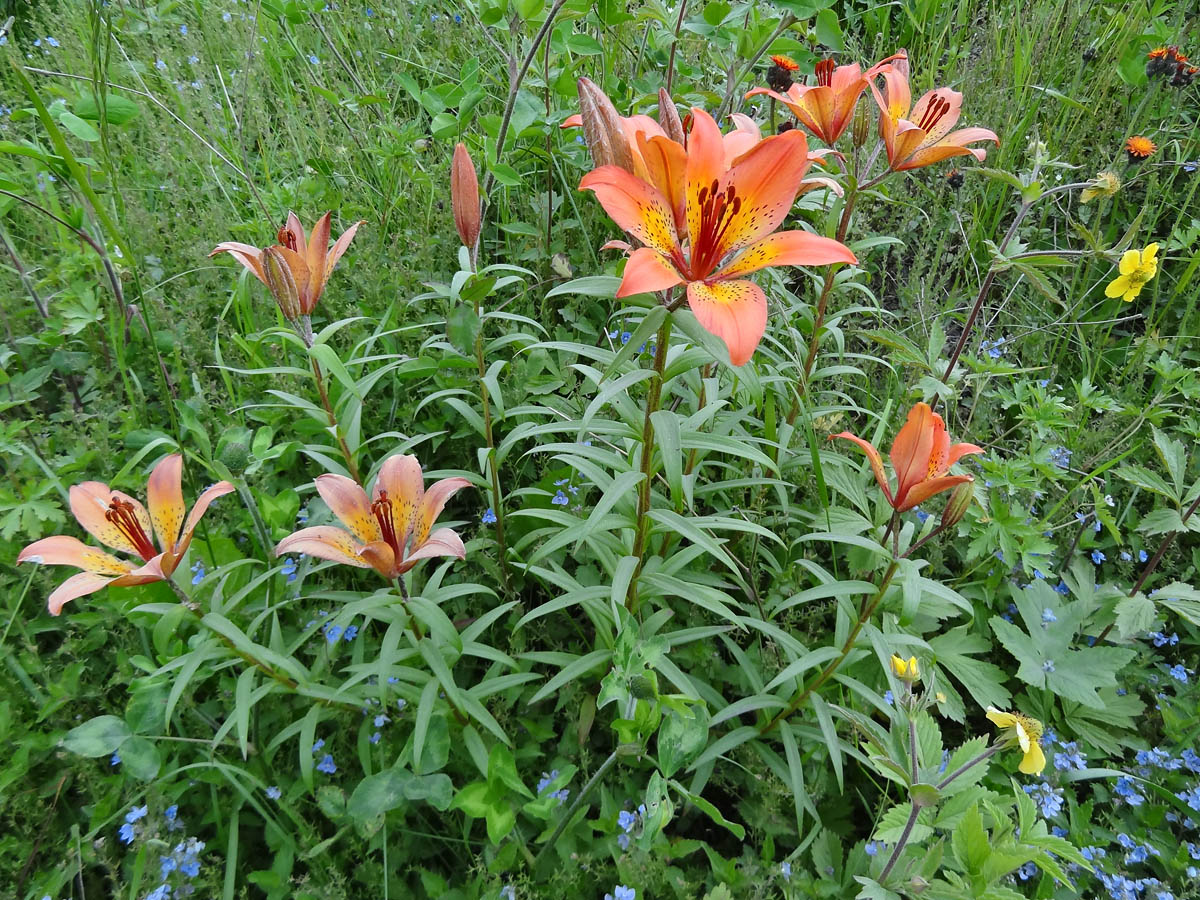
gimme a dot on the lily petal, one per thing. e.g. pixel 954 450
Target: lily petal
pixel 164 496
pixel 338 249
pixel 247 255
pixel 64 550
pixel 910 451
pixel 207 496
pixel 318 246
pixel 872 457
pixel 665 164
pixel 921 492
pixel 349 503
pixel 90 501
pixel 381 557
pixel 735 311
pixel 637 207
pixel 787 248
pixel 401 477
pixel 293 228
pixel 323 542
pixel 432 505
pixel 443 542
pixel 647 271
pixel 73 588
pixel 766 180
pixel 705 166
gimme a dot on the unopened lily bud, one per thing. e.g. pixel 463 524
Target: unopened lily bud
pixel 956 506
pixel 281 283
pixel 861 131
pixel 602 129
pixel 668 116
pixel 464 196
pixel 905 668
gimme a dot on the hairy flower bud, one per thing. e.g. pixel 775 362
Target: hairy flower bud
pixel 602 128
pixel 668 117
pixel 956 506
pixel 861 131
pixel 281 283
pixel 464 196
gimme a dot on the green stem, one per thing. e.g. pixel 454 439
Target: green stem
pixel 579 801
pixel 899 848
pixel 260 527
pixel 644 493
pixel 351 465
pixel 493 469
pixel 836 662
pixel 970 764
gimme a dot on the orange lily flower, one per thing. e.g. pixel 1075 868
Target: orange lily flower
pixel 827 108
pixel 121 522
pixel 310 259
pixel 708 216
pixel 920 135
pixel 921 456
pixel 379 530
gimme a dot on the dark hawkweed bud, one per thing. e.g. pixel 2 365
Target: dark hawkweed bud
pixel 668 116
pixel 779 76
pixel 602 128
pixel 281 283
pixel 957 505
pixel 954 178
pixel 785 127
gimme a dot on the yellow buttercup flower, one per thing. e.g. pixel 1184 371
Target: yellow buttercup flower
pixel 1028 732
pixel 905 668
pixel 1137 267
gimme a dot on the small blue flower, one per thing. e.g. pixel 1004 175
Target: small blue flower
pixel 332 633
pixel 326 765
pixel 1049 798
pixel 785 869
pixel 318 745
pixel 889 698
pixel 274 793
pixel 1061 588
pixel 1127 789
pixel 193 59
pixel 183 29
pixel 1027 871
pixel 289 568
pixel 226 17
pixel 508 892
pixel 162 892
pixel 302 515
pixel 1142 556
pixel 127 833
pixel 560 499
pixel 199 573
pixel 1042 382
pixel 1070 757
pixel 1126 556
pixel 160 65
pixel 489 517
pixel 137 812
pixel 312 58
pixel 620 892
pixel 52 42
pixel 375 738
pixel 872 848
pixel 921 515
pixel 1098 557
pixel 625 820
pixel 1040 576
pixel 1047 613
pixel 115 760
pixel 351 633
pixel 1061 457
pixel 381 720
pixel 1048 666
pixel 1179 673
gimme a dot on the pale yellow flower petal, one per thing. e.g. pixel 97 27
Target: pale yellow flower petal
pixel 1117 286
pixel 1130 260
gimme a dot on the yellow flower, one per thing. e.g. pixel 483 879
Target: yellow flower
pixel 1137 267
pixel 1106 184
pixel 906 669
pixel 1028 732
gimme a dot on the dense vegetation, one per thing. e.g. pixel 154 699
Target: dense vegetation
pixel 523 560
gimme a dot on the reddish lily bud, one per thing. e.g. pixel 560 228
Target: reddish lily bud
pixel 464 196
pixel 957 505
pixel 281 283
pixel 602 128
pixel 668 116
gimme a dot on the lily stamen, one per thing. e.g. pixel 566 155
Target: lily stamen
pixel 120 513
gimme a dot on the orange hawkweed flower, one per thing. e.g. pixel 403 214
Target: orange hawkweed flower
pixel 121 522
pixel 921 457
pixel 827 108
pixel 785 62
pixel 707 217
pixel 1139 148
pixel 311 259
pixel 917 136
pixel 392 531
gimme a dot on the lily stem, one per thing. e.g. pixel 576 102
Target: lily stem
pixel 836 662
pixel 351 465
pixel 822 302
pixel 403 591
pixel 644 494
pixel 579 801
pixel 493 469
